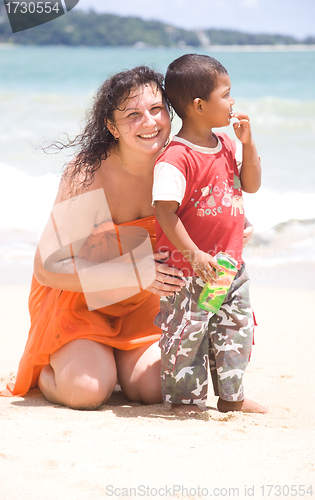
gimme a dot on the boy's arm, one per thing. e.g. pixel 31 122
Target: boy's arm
pixel 250 173
pixel 201 262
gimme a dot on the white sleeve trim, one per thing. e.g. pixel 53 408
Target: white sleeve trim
pixel 169 184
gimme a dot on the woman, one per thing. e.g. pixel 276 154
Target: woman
pixel 77 346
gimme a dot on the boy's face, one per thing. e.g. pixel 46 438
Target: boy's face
pixel 218 108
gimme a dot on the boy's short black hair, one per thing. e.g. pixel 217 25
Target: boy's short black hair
pixel 191 76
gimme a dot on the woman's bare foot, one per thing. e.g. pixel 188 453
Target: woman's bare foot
pixel 186 410
pixel 245 406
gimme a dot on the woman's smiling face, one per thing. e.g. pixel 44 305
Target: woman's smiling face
pixel 142 123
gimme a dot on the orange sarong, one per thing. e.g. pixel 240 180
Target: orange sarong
pixel 58 317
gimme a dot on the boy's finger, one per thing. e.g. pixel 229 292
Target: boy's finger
pixel 216 266
pixel 210 275
pixel 240 116
pixel 241 123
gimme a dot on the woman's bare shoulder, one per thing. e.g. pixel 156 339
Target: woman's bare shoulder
pixel 72 186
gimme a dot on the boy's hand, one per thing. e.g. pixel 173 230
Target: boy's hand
pixel 250 172
pixel 205 266
pixel 242 128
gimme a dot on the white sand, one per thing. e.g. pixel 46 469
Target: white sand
pixel 51 452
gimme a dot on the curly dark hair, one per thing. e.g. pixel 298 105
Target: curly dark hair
pixel 95 142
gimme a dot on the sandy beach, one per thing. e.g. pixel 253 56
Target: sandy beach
pixel 129 450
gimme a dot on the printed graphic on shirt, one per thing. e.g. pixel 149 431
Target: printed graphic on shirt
pixel 214 199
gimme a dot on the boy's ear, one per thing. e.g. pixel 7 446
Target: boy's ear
pixel 113 130
pixel 197 104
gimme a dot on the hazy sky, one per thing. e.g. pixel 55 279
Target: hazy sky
pixel 292 17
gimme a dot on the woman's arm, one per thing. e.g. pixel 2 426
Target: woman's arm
pixel 67 228
pixel 57 263
pixel 58 266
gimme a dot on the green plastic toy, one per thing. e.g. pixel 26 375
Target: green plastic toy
pixel 213 294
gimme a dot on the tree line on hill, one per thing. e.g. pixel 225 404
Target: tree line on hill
pixel 92 29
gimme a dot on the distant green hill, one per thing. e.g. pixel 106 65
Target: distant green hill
pixel 80 28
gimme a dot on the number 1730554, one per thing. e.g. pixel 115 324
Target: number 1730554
pixel 286 490
pixel 32 7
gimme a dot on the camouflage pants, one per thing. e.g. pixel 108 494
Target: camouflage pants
pixel 192 338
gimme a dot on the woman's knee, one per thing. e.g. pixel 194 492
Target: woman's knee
pixel 88 392
pixel 139 374
pixel 82 375
pixel 143 390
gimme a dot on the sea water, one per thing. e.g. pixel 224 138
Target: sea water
pixel 45 91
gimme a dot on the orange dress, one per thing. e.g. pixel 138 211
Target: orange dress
pixel 58 317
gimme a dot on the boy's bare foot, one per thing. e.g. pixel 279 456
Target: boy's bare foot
pixel 186 410
pixel 246 406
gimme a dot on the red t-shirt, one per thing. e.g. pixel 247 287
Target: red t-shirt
pixel 211 209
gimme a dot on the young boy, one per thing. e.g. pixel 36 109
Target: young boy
pixel 197 193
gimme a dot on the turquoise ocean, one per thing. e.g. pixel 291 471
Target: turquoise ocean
pixel 44 92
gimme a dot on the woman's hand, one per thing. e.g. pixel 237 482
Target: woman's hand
pixel 168 279
pixel 248 232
